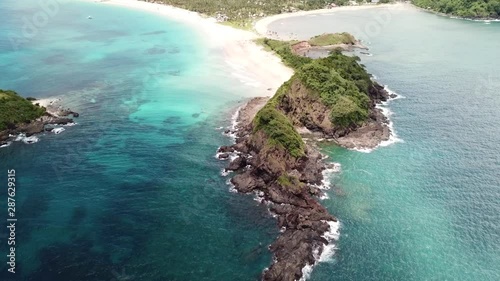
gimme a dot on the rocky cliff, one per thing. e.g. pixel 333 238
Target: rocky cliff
pixel 289 185
pixel 330 98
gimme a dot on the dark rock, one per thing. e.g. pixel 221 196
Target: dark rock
pixel 294 202
pixel 223 156
pixel 60 121
pixel 225 149
pixel 237 163
pixel 288 183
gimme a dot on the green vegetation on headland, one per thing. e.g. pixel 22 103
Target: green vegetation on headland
pixel 283 49
pixel 338 81
pixel 328 39
pixel 15 110
pixel 278 127
pixel 463 8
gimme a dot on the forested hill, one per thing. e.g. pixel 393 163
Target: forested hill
pixel 463 8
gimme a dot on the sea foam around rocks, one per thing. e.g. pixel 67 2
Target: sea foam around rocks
pixel 383 106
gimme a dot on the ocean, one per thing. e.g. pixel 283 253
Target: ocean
pixel 427 207
pixel 133 191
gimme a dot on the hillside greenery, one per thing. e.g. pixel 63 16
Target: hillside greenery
pixel 332 39
pixel 339 81
pixel 463 8
pixel 277 126
pixel 283 49
pixel 15 109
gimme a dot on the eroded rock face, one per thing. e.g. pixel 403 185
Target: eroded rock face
pixel 259 167
pixel 307 111
pixel 288 183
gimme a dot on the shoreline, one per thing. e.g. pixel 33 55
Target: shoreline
pixel 450 16
pixel 55 115
pixel 300 214
pixel 303 221
pixel 240 53
pixel 261 26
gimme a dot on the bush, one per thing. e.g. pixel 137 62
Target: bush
pixel 468 9
pixel 16 110
pixel 279 130
pixel 332 39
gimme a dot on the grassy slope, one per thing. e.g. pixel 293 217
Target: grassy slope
pixel 15 109
pixel 332 39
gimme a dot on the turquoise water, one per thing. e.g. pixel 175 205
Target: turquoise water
pixel 133 189
pixel 427 208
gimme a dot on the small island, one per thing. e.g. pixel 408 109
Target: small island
pixel 20 115
pixel 332 97
pixel 317 46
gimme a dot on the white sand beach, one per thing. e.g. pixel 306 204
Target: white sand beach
pixel 240 51
pixel 238 47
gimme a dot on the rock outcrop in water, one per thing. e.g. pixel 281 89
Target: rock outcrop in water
pixel 38 123
pixel 332 98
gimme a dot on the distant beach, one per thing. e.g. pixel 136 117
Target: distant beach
pixel 241 52
pixel 261 26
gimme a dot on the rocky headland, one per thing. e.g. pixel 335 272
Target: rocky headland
pixel 330 98
pixel 321 45
pixel 38 116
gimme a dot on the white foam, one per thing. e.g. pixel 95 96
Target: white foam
pixel 306 272
pixel 259 197
pixel 57 131
pixel 234 124
pixel 27 140
pixel 332 235
pixel 232 188
pixel 363 150
pixel 233 156
pixel 6 144
pixel 20 137
pixel 393 137
pixel 225 172
pixel 70 124
pixel 325 182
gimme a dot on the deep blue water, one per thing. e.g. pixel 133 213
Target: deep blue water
pixel 134 189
